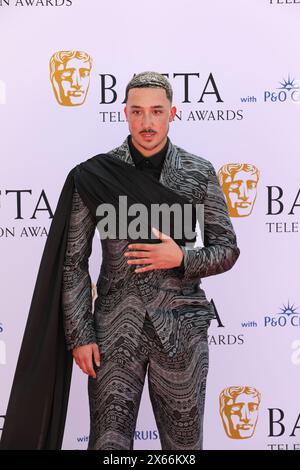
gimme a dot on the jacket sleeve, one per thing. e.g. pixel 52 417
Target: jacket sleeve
pixel 220 250
pixel 76 293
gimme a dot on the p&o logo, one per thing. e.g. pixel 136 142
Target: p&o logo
pixel 288 91
pixel 289 316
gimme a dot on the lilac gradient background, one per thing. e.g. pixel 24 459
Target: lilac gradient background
pixel 249 46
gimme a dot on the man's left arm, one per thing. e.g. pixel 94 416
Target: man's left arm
pixel 220 250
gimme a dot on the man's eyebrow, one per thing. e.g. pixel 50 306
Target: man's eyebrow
pixel 157 106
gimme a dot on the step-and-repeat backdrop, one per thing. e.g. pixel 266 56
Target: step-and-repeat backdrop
pixel 235 70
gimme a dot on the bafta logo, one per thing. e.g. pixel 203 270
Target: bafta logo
pixel 239 411
pixel 239 184
pixel 70 76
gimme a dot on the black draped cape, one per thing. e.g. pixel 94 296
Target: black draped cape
pixel 37 407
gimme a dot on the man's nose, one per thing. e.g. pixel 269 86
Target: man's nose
pixel 244 191
pixel 147 120
pixel 245 414
pixel 76 78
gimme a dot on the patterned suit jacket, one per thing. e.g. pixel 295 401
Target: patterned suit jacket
pixel 173 298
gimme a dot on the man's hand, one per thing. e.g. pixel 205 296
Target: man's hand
pixel 163 255
pixel 84 355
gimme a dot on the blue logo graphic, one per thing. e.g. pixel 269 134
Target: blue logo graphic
pixel 289 92
pixel 289 316
pixel 288 310
pixel 289 84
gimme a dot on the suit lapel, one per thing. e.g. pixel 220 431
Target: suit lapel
pixel 123 153
pixel 172 164
pixel 172 175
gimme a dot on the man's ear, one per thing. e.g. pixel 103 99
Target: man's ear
pixel 125 111
pixel 172 113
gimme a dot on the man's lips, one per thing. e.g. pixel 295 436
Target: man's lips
pixel 75 93
pixel 245 427
pixel 147 134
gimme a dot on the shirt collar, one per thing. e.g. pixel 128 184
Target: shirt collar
pixel 156 160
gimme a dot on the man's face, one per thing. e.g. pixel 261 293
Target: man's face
pixel 240 416
pixel 148 112
pixel 240 190
pixel 71 82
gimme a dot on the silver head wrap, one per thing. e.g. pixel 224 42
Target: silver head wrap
pixel 150 80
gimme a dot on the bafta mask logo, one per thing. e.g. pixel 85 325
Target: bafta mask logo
pixel 239 184
pixel 2 92
pixel 239 411
pixel 70 76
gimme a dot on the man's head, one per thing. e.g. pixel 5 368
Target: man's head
pixel 239 411
pixel 149 111
pixel 239 184
pixel 70 76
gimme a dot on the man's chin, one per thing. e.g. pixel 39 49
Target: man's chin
pixel 149 142
pixel 245 432
pixel 243 212
pixel 148 145
pixel 76 100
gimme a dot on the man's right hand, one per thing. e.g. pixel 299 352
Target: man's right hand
pixel 84 355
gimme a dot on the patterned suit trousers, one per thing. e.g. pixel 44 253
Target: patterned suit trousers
pixel 177 383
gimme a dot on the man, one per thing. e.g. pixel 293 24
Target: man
pixel 150 314
pixel 239 411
